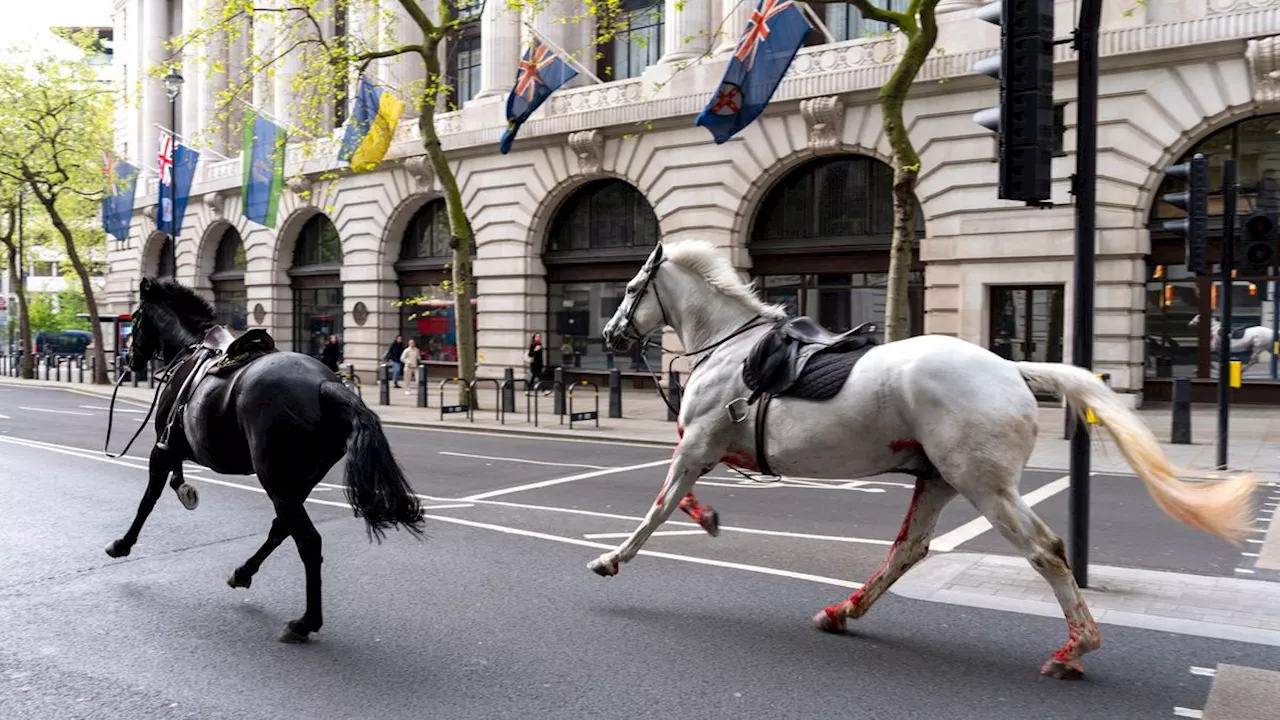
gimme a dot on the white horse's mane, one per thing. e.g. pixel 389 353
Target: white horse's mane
pixel 704 259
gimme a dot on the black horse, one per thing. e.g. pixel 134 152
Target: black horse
pixel 242 408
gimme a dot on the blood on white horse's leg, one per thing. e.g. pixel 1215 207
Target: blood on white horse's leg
pixel 1020 526
pixel 684 472
pixel 704 515
pixel 911 546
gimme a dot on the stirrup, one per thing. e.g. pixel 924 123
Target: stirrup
pixel 737 410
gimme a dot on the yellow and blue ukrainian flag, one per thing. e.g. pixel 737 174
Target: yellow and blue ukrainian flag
pixel 373 122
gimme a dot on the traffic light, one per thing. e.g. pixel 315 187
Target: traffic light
pixel 1023 122
pixel 1195 200
pixel 1259 243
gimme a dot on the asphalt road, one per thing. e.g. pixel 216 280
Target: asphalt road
pixel 495 614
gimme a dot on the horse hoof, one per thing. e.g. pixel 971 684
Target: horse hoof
pixel 827 622
pixel 602 568
pixel 290 635
pixel 710 521
pixel 117 549
pixel 1060 670
pixel 188 496
pixel 235 580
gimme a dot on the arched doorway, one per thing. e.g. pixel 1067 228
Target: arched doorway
pixel 424 277
pixel 820 243
pixel 597 240
pixel 1174 296
pixel 315 278
pixel 230 299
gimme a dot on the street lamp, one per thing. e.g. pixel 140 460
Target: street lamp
pixel 172 86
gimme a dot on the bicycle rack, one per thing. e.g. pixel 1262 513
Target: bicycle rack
pixel 452 409
pixel 530 402
pixel 589 414
pixel 497 396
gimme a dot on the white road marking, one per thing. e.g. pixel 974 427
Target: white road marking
pixel 55 412
pixel 633 518
pixel 951 540
pixel 512 531
pixel 1255 542
pixel 521 460
pixel 5 417
pixel 1249 554
pixel 1245 571
pixel 1203 671
pixel 119 410
pixel 560 481
pixel 656 533
pixel 1188 712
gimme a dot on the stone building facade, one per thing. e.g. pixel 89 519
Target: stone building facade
pixel 798 200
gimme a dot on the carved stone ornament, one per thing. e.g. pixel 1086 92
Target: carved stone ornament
pixel 588 145
pixel 259 313
pixel 214 201
pixel 360 314
pixel 1264 60
pixel 149 212
pixel 420 168
pixel 300 185
pixel 825 118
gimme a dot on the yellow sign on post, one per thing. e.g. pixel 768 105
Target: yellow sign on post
pixel 1237 373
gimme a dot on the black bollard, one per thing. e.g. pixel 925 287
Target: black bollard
pixel 1181 428
pixel 80 368
pixel 608 359
pixel 151 376
pixel 508 390
pixel 673 395
pixel 57 369
pixel 615 393
pixel 422 386
pixel 48 366
pixel 384 385
pixel 558 405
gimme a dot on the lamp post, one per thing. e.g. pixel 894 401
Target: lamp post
pixel 172 86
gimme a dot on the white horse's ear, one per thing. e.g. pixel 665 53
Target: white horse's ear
pixel 657 254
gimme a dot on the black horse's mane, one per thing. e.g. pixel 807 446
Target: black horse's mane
pixel 193 312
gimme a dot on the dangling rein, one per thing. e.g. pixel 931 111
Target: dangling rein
pixel 111 409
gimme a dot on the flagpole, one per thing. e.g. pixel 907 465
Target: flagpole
pixel 183 138
pixel 275 120
pixel 817 21
pixel 564 56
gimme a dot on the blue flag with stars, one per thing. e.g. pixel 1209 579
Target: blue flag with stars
pixel 774 33
pixel 541 73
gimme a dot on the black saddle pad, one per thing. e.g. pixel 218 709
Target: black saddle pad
pixel 1238 334
pixel 823 376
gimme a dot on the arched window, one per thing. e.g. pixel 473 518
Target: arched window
pixel 637 40
pixel 230 298
pixel 820 243
pixel 317 286
pixel 1175 296
pixel 597 240
pixel 422 272
pixel 166 263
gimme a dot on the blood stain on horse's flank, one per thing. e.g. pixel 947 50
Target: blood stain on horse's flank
pixel 898 446
pixel 740 460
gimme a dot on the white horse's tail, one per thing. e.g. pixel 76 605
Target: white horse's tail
pixel 1221 508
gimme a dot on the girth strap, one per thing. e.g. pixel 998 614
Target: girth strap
pixel 762 411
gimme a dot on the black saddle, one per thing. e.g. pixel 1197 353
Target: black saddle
pixel 800 358
pixel 220 353
pixel 1238 333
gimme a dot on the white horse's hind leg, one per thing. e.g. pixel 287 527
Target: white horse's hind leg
pixel 1010 515
pixel 911 546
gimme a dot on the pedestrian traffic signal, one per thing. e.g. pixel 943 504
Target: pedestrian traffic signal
pixel 1195 200
pixel 1023 122
pixel 1259 243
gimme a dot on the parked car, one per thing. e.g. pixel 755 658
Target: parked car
pixel 63 343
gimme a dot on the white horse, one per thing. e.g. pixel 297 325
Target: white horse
pixel 955 415
pixel 1256 340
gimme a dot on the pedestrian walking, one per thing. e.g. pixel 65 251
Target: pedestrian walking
pixel 331 355
pixel 410 357
pixel 536 356
pixel 393 356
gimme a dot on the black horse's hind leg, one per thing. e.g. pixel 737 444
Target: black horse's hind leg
pixel 186 492
pixel 243 575
pixel 161 464
pixel 308 541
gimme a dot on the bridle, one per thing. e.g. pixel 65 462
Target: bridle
pixel 160 384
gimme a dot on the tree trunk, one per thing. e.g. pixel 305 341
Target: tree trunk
pixel 459 226
pixel 897 309
pixel 91 302
pixel 27 370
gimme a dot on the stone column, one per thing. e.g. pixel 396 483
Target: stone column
pixel 406 73
pixel 155 106
pixel 210 85
pixel 293 28
pixel 264 37
pixel 734 15
pixel 191 98
pixel 686 29
pixel 576 38
pixel 946 6
pixel 499 49
pixel 239 47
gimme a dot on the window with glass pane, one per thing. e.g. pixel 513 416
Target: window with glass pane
pixel 578 312
pixel 317 314
pixel 841 301
pixel 165 263
pixel 638 42
pixel 846 23
pixel 605 214
pixel 431 321
pixel 230 300
pixel 230 255
pixel 468 75
pixel 318 243
pixel 428 233
pixel 834 197
pixel 1026 323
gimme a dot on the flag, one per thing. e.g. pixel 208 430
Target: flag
pixel 540 73
pixel 774 33
pixel 373 122
pixel 117 206
pixel 263 165
pixel 177 164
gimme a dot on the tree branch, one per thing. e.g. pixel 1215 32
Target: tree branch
pixel 871 12
pixel 365 58
pixel 414 10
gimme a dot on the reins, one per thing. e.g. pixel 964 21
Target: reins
pixel 111 409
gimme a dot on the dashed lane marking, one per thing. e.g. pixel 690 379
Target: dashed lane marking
pixel 655 533
pixel 561 481
pixel 1188 712
pixel 55 412
pixel 1203 671
pixel 119 410
pixel 951 540
pixel 522 460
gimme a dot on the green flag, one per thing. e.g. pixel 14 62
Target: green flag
pixel 263 165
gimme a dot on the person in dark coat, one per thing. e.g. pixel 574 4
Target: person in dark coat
pixel 331 355
pixel 537 358
pixel 393 356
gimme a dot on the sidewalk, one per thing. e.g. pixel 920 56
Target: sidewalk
pixel 1254 438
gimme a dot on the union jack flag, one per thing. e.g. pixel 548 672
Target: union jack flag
pixel 758 30
pixel 164 159
pixel 109 169
pixel 541 72
pixel 528 76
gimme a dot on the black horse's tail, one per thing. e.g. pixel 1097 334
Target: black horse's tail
pixel 376 486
